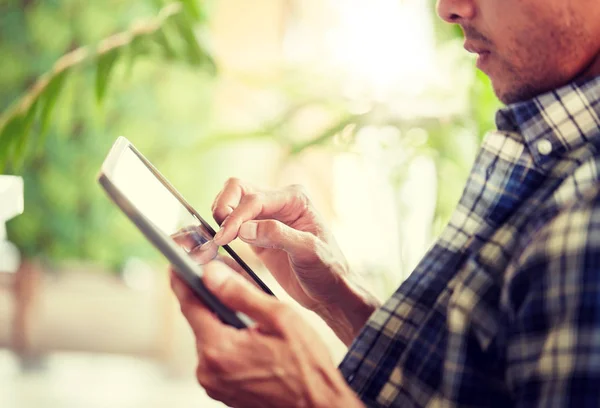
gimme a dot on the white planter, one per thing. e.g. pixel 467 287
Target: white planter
pixel 11 205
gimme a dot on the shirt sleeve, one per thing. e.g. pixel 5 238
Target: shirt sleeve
pixel 553 297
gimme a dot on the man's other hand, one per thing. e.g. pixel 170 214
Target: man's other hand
pixel 279 362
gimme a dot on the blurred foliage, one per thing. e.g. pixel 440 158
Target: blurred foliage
pixel 59 127
pixel 171 34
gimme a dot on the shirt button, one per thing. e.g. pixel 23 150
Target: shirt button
pixel 544 147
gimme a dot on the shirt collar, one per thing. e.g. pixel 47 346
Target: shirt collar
pixel 556 122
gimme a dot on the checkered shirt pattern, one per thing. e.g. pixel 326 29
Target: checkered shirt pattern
pixel 504 309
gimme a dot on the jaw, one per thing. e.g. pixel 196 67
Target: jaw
pixel 591 70
pixel 510 86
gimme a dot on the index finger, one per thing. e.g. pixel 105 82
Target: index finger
pixel 285 205
pixel 229 198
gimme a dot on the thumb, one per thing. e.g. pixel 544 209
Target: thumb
pixel 237 293
pixel 300 245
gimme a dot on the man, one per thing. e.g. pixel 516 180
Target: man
pixel 504 310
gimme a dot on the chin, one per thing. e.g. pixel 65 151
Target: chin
pixel 513 93
pixel 504 95
pixel 517 88
pixel 504 90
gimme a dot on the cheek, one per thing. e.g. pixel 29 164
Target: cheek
pixel 526 53
pixel 536 46
pixel 522 31
pixel 551 42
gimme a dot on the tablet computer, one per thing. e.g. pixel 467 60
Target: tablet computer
pixel 160 213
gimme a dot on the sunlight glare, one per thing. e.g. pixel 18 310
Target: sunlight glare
pixel 383 45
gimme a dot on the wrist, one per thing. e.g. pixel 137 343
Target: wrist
pixel 335 392
pixel 341 398
pixel 348 310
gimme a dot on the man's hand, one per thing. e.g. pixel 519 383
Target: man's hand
pixel 280 362
pixel 291 239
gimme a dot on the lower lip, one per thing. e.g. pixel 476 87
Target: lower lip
pixel 482 60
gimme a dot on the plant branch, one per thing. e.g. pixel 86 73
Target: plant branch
pixel 86 53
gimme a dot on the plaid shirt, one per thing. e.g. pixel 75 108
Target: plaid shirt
pixel 504 310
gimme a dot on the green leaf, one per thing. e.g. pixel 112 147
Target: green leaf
pixel 106 63
pixel 22 144
pixel 163 41
pixel 8 135
pixel 192 9
pixel 193 50
pixel 158 4
pixel 196 54
pixel 137 47
pixel 49 98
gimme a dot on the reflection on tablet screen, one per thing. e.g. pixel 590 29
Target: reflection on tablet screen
pixel 150 196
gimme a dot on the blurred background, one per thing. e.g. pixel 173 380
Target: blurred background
pixel 373 105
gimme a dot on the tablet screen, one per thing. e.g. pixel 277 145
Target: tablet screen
pixel 161 207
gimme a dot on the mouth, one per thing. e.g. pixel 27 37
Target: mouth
pixel 483 54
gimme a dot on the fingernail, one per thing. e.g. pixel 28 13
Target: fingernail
pixel 207 245
pixel 248 230
pixel 177 235
pixel 218 235
pixel 225 219
pixel 206 252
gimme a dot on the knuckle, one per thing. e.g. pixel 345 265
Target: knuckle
pixel 214 360
pixel 269 228
pixel 272 234
pixel 251 199
pixel 300 198
pixel 300 192
pixel 208 382
pixel 299 189
pixel 232 181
